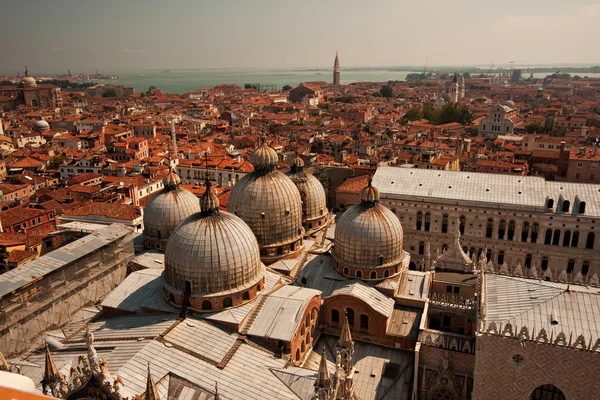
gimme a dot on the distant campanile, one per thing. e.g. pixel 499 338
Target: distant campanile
pixel 336 70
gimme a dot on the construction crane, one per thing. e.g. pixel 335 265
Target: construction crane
pixel 548 80
pixel 425 67
pixel 511 66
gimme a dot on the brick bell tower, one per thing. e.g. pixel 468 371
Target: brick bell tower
pixel 336 70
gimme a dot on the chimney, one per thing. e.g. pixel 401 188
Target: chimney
pixel 584 131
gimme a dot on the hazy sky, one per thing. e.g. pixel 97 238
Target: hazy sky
pixel 112 35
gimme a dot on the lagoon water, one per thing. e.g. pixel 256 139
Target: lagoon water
pixel 181 81
pixel 188 80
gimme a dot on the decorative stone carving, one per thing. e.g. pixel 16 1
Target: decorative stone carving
pixel 563 277
pixel 518 270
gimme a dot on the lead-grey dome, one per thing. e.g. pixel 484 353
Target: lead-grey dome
pixel 368 235
pixel 510 103
pixel 216 252
pixel 41 125
pixel 269 202
pixel 312 194
pixel 167 209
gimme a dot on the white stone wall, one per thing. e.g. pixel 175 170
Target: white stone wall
pixel 515 250
pixel 495 123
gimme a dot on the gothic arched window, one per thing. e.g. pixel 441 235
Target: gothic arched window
pixel 589 243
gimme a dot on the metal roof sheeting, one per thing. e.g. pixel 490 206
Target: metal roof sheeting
pixel 530 303
pixel 495 189
pixel 281 313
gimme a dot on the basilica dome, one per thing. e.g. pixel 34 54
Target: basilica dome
pixel 510 103
pixel 212 259
pixel 28 81
pixel 167 209
pixel 269 202
pixel 368 239
pixel 312 194
pixel 41 125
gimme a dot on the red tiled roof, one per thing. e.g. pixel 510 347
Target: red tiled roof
pixel 120 211
pixel 355 184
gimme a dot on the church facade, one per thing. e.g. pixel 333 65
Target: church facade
pixel 31 94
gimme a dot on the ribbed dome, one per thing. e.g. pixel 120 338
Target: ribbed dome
pixel 216 253
pixel 510 103
pixel 28 80
pixel 270 204
pixel 264 157
pixel 41 125
pixel 312 194
pixel 167 209
pixel 368 235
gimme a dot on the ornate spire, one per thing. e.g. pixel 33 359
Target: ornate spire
pixel 52 378
pixel 369 194
pixel 323 378
pixel 51 374
pixel 345 336
pixel 151 391
pixel 26 71
pixel 455 258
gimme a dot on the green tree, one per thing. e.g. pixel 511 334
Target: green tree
pixel 149 91
pixel 109 93
pixel 534 128
pixel 444 76
pixel 467 75
pixel 455 112
pixel 414 114
pixel 430 114
pixel 56 162
pixel 286 88
pixel 386 92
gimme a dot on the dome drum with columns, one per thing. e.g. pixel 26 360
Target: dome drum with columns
pixel 212 260
pixel 166 210
pixel 369 240
pixel 269 202
pixel 312 194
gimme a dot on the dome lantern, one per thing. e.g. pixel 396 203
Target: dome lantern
pixel 264 158
pixel 369 194
pixel 297 165
pixel 171 181
pixel 209 202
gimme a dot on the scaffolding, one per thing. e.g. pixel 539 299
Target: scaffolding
pixel 49 301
